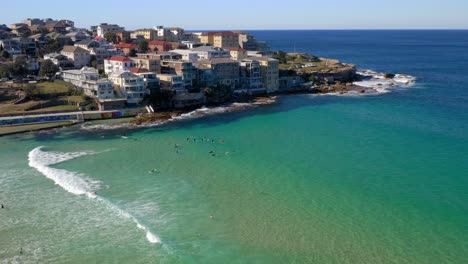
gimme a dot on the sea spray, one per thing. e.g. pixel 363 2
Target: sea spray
pixel 76 183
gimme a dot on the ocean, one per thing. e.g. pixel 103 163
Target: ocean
pixel 307 179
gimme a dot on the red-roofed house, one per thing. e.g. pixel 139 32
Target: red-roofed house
pixel 159 45
pixel 126 47
pixel 118 64
pixel 59 27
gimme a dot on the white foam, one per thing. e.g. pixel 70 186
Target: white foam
pixel 70 181
pixel 76 183
pixel 378 84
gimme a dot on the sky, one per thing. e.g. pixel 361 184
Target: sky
pixel 247 14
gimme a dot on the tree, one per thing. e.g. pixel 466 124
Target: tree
pixel 132 53
pixel 281 56
pixel 143 46
pixel 93 61
pixel 4 71
pixel 48 69
pixel 5 55
pixel 18 68
pixel 110 37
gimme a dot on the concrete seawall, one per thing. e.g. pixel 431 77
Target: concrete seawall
pixel 72 116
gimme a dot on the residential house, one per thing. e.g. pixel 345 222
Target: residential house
pixel 17 25
pixel 60 60
pixel 130 85
pixel 150 79
pixel 159 45
pixel 79 56
pixel 118 64
pixel 104 28
pixel 126 47
pixel 89 80
pixel 58 27
pixel 11 46
pixel 33 21
pixel 172 82
pixel 22 31
pixel 27 45
pixel 146 33
pixel 187 55
pixel 152 65
pixel 78 36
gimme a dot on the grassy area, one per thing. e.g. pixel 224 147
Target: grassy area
pixel 33 127
pixel 56 87
pixel 56 108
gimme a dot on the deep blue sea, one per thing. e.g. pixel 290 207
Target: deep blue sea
pixel 308 179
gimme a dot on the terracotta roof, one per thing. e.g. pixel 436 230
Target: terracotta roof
pixel 138 70
pixel 122 45
pixel 119 58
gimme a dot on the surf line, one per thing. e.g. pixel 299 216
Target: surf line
pixel 76 183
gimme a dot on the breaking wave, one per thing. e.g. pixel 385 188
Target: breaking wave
pixel 77 183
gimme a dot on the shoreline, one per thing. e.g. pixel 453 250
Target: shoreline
pixel 376 84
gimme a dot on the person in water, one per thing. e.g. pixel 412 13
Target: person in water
pixel 211 216
pixel 21 251
pixel 3 207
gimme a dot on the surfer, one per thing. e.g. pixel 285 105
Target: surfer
pixel 21 251
pixel 211 216
pixel 3 207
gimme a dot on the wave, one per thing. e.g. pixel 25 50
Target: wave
pixel 376 82
pixel 77 183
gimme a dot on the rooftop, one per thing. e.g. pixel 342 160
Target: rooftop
pixel 119 58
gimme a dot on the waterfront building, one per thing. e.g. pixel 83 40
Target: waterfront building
pixel 250 77
pixel 225 70
pixel 129 86
pixel 172 82
pixel 90 82
pixel 220 39
pixel 269 72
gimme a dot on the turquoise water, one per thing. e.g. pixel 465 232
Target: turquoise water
pixel 309 179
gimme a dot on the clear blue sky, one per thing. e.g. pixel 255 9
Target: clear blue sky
pixel 249 14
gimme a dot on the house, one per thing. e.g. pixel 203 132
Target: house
pixel 149 64
pixel 78 36
pixel 149 78
pixel 159 45
pixel 79 56
pixel 181 68
pixel 17 25
pixel 225 70
pixel 11 46
pixel 187 55
pixel 118 64
pixel 104 28
pixel 58 27
pixel 33 21
pixel 60 60
pixel 126 47
pixel 250 77
pixel 172 82
pixel 22 31
pixel 146 33
pixel 209 52
pixel 220 39
pixel 90 82
pixel 27 45
pixel 130 85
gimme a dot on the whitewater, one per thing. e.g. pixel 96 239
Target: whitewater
pixel 78 184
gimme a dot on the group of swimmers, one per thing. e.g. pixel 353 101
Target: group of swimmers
pixel 204 139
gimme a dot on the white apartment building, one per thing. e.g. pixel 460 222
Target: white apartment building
pixel 104 28
pixel 118 64
pixel 130 86
pixel 89 80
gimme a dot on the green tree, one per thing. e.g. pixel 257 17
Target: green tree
pixel 48 68
pixel 281 56
pixel 93 61
pixel 143 46
pixel 132 53
pixel 18 68
pixel 111 37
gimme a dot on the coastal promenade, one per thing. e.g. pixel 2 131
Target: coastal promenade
pixel 79 116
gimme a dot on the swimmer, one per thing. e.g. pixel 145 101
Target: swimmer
pixel 3 207
pixel 21 251
pixel 211 216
